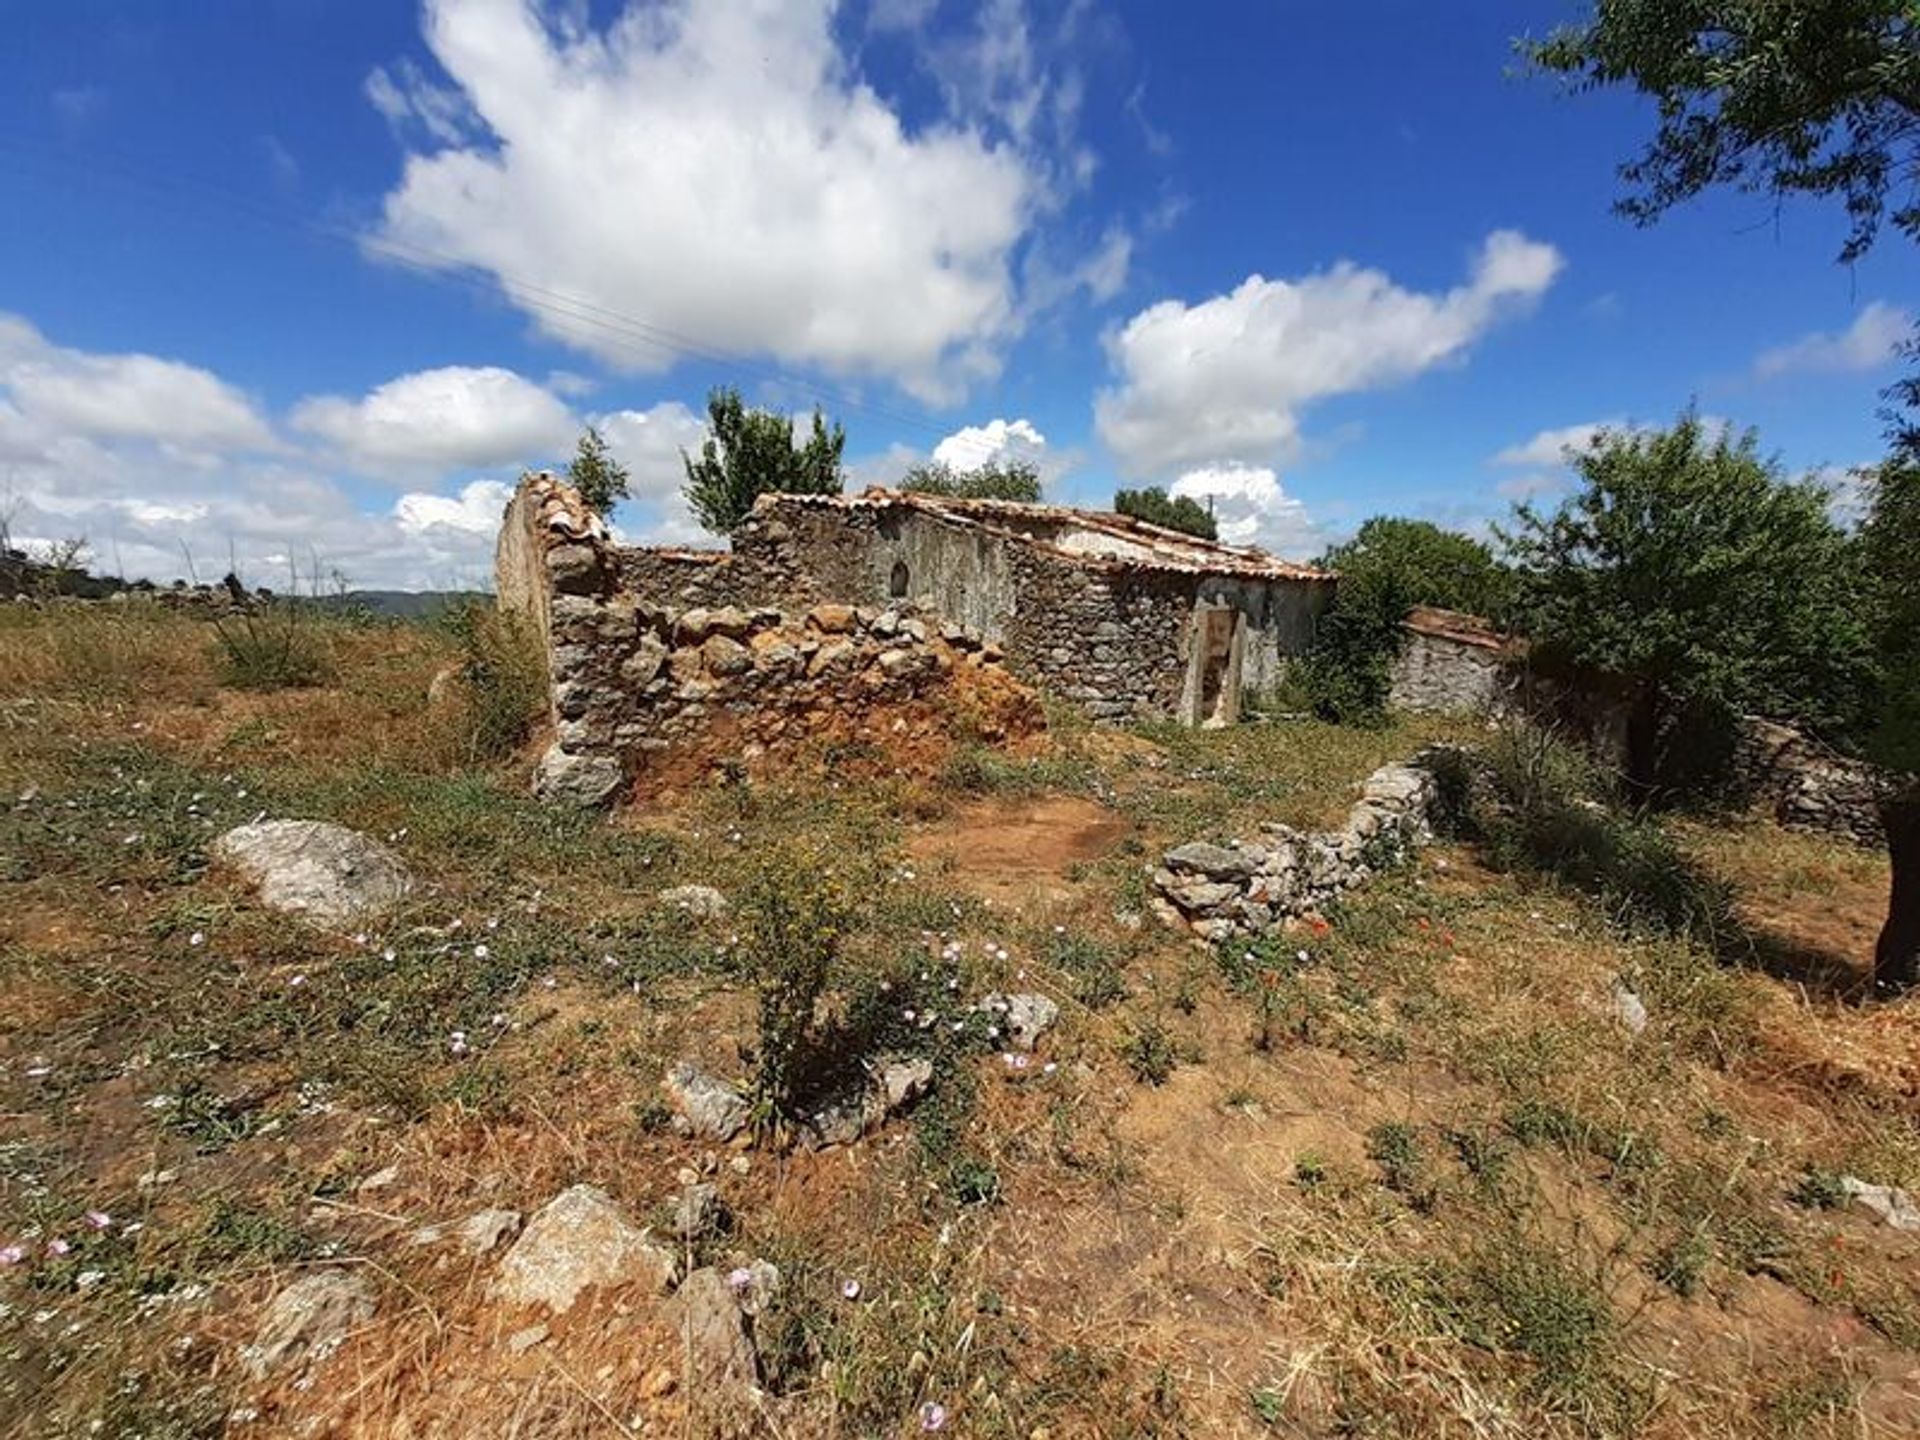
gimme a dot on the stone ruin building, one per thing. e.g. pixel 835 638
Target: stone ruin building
pixel 889 590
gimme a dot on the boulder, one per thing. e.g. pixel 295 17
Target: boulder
pixel 1027 1017
pixel 706 1105
pixel 727 656
pixel 1216 862
pixel 703 902
pixel 324 872
pixel 699 1212
pixel 1891 1207
pixel 835 656
pixel 585 781
pixel 577 1241
pixel 832 619
pixel 308 1320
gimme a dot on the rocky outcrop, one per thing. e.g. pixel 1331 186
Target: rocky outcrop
pixel 307 1321
pixel 579 1240
pixel 322 872
pixel 1247 887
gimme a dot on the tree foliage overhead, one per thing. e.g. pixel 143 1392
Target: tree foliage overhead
pixel 600 479
pixel 996 480
pixel 1169 512
pixel 1891 543
pixel 751 452
pixel 1428 564
pixel 1786 97
pixel 1688 565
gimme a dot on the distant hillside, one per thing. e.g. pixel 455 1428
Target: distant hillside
pixel 403 604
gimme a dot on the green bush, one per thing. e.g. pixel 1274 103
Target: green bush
pixel 504 677
pixel 1539 805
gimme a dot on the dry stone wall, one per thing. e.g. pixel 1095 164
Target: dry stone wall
pixel 1806 786
pixel 1248 887
pixel 642 686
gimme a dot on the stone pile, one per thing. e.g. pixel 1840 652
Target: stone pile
pixel 1247 887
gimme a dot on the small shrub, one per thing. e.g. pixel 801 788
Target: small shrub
pixel 1150 1052
pixel 503 675
pixel 1681 1263
pixel 1521 1296
pixel 1096 970
pixel 793 914
pixel 1394 1146
pixel 1309 1170
pixel 1819 1190
pixel 273 646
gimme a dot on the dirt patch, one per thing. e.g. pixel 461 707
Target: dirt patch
pixel 1014 850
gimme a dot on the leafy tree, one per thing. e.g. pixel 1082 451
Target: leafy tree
pixel 1785 97
pixel 1389 566
pixel 1170 512
pixel 600 479
pixel 1891 541
pixel 750 453
pixel 1690 567
pixel 1431 565
pixel 995 480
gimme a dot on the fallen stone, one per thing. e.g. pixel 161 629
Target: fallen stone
pixel 1627 1007
pixel 1216 862
pixel 1890 1206
pixel 706 1105
pixel 698 1213
pixel 487 1230
pixel 323 872
pixel 1027 1017
pixel 703 902
pixel 585 781
pixel 892 1085
pixel 307 1321
pixel 577 1241
pixel 713 1327
pixel 522 1341
pixel 832 619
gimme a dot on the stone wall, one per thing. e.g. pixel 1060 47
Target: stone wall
pixel 1248 887
pixel 644 691
pixel 1805 785
pixel 1438 674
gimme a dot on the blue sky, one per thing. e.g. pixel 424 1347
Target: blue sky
pixel 316 278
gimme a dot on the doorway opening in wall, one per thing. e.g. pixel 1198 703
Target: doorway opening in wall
pixel 898 580
pixel 1212 698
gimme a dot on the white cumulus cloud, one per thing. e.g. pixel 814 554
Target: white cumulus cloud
pixel 718 172
pixel 1226 380
pixel 1557 446
pixel 57 392
pixel 1250 507
pixel 454 416
pixel 1871 341
pixel 973 446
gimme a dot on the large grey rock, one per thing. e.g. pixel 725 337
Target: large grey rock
pixel 892 1085
pixel 307 1321
pixel 1216 862
pixel 586 781
pixel 1027 1017
pixel 703 902
pixel 713 1326
pixel 699 1211
pixel 707 1106
pixel 1891 1207
pixel 324 872
pixel 577 1241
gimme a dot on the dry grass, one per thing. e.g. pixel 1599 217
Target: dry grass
pixel 1449 1195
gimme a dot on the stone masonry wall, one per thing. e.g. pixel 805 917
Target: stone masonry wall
pixel 638 686
pixel 1437 674
pixel 1248 887
pixel 1806 786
